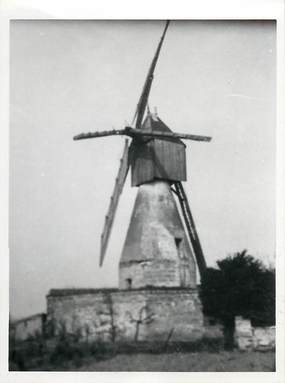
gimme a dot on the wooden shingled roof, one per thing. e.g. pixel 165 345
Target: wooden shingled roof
pixel 153 123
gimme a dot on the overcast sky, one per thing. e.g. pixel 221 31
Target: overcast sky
pixel 213 78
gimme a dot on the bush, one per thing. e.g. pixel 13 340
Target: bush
pixel 243 286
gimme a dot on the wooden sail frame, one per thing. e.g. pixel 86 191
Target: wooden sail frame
pixel 135 133
pixel 114 201
pixel 191 228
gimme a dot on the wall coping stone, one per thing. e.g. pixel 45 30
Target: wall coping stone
pixel 28 318
pixel 149 289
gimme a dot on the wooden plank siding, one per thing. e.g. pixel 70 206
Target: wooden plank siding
pixel 169 160
pixel 158 159
pixel 142 163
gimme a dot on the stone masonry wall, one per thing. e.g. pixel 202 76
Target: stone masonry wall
pixel 176 311
pixel 128 315
pixel 156 251
pixel 29 326
pixel 165 272
pixel 249 337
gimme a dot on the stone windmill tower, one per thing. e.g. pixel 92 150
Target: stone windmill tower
pixel 160 250
pixel 157 298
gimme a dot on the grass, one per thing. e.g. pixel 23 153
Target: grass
pixel 67 354
pixel 196 361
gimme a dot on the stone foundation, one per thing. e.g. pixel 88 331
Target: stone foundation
pixel 156 251
pixel 127 315
pixel 248 337
pixel 165 272
pixel 30 326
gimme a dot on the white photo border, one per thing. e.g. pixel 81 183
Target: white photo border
pixel 127 9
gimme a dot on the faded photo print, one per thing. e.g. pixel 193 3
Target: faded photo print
pixel 142 195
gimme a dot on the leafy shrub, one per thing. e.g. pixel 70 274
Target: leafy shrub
pixel 241 285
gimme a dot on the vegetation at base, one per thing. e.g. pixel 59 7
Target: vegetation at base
pixel 41 353
pixel 240 286
pixel 67 354
pixel 66 351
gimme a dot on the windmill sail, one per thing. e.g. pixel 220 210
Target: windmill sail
pixel 190 225
pixel 119 184
pixel 136 133
pixel 147 85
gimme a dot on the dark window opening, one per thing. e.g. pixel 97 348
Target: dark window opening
pixel 129 283
pixel 178 242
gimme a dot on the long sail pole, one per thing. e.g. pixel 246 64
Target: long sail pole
pixel 141 106
pixel 191 228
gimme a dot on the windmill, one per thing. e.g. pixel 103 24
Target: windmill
pixel 156 249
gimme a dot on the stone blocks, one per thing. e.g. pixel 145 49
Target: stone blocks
pixel 128 315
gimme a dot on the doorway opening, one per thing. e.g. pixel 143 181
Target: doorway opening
pixel 129 283
pixel 178 242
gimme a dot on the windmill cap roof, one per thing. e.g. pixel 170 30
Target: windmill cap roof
pixel 154 124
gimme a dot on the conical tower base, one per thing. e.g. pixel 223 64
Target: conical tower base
pixel 156 251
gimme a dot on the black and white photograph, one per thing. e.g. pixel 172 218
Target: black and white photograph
pixel 142 195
